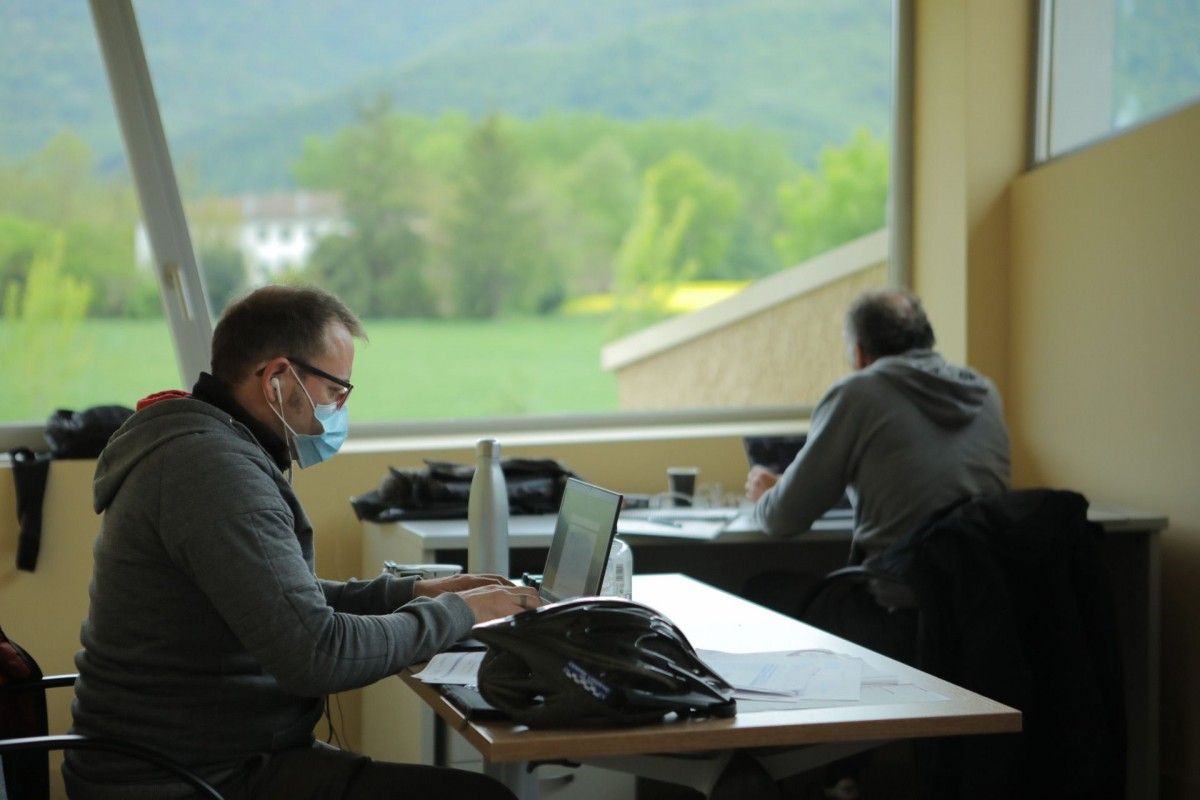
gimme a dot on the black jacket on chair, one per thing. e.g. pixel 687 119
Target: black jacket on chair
pixel 1014 605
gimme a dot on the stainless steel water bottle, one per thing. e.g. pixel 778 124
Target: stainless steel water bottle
pixel 487 513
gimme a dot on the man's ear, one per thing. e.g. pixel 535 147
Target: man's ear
pixel 271 373
pixel 861 359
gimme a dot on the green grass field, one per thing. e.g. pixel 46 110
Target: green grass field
pixel 408 370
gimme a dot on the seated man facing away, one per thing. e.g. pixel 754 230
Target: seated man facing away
pixel 905 435
pixel 209 637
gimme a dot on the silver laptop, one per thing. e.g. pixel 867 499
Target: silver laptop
pixel 583 532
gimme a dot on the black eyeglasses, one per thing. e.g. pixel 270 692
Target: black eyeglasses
pixel 347 386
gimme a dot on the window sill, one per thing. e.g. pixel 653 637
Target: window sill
pixel 385 437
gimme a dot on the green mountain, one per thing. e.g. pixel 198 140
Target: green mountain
pixel 241 84
pixel 212 61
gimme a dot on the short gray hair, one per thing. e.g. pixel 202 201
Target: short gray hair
pixel 276 321
pixel 888 323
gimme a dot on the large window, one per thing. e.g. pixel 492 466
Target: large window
pixel 80 324
pixel 498 187
pixel 1105 65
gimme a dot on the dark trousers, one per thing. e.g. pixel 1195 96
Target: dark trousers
pixel 322 771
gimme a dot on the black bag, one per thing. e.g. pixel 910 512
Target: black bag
pixel 70 434
pixel 441 489
pixel 83 434
pixel 23 714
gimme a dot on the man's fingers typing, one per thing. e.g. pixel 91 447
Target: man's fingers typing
pixel 432 587
pixel 491 602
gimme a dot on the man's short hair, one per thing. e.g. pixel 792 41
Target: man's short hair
pixel 888 323
pixel 276 321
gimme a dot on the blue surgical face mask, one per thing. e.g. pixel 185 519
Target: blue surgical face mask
pixel 313 448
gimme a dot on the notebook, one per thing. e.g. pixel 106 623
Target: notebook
pixel 776 453
pixel 772 452
pixel 583 532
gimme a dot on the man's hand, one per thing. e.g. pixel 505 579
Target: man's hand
pixel 490 602
pixel 432 587
pixel 758 481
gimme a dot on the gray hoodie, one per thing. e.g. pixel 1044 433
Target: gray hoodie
pixel 209 638
pixel 904 437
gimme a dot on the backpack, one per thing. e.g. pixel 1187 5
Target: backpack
pixel 22 714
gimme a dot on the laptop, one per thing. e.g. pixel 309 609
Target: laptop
pixel 773 452
pixel 776 453
pixel 583 533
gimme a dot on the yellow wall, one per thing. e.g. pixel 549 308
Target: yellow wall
pixel 970 140
pixel 788 354
pixel 42 610
pixel 1105 364
pixel 1074 286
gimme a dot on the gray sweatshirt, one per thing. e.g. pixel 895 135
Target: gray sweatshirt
pixel 904 437
pixel 209 638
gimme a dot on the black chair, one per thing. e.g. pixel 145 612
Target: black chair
pixel 1012 602
pixel 25 742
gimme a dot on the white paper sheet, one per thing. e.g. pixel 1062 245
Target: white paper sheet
pixel 795 675
pixel 460 668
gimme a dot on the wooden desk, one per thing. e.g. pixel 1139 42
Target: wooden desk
pixel 713 619
pixel 1131 551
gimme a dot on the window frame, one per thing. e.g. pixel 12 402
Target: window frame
pixel 1060 24
pixel 181 282
pixel 1051 62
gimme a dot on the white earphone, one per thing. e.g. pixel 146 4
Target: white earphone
pixel 278 391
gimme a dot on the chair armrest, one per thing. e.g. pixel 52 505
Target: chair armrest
pixel 863 572
pixel 55 681
pixel 73 742
pixel 889 591
pixel 45 682
pixel 846 573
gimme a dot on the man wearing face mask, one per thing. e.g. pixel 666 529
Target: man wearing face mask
pixel 209 637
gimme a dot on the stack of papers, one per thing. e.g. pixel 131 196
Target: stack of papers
pixel 788 676
pixel 461 668
pixel 801 679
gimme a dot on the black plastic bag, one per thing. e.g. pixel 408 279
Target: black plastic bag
pixel 441 490
pixel 83 434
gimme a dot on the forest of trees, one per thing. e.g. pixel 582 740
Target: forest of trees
pixel 477 218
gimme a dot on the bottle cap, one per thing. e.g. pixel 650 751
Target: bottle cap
pixel 487 447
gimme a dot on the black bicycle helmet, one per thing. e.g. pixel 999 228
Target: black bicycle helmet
pixel 596 661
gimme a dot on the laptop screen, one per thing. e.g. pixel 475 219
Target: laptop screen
pixel 587 520
pixel 773 452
